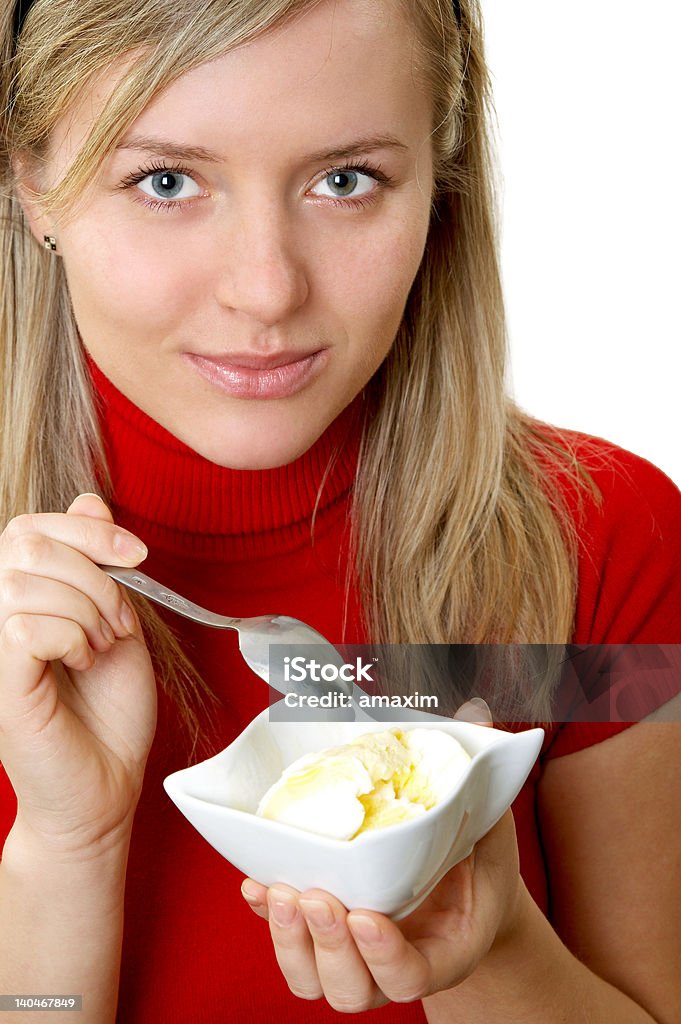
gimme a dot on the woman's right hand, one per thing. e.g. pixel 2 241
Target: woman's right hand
pixel 77 688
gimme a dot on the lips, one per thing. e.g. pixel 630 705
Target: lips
pixel 248 376
pixel 253 361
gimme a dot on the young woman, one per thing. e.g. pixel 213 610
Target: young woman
pixel 253 337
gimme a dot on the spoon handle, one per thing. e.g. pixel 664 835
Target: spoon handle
pixel 143 584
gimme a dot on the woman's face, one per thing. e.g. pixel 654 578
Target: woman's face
pixel 269 209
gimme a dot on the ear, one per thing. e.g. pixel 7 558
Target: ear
pixel 28 192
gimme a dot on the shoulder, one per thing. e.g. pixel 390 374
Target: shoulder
pixel 629 536
pixel 627 483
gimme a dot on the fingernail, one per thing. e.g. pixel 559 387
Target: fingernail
pixel 249 894
pixel 283 910
pixel 127 618
pixel 107 631
pixel 317 913
pixel 128 546
pixel 85 494
pixel 480 703
pixel 364 929
pixel 476 711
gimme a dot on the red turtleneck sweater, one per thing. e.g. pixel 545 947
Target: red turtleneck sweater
pixel 238 542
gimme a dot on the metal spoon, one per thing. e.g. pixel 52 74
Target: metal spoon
pixel 255 636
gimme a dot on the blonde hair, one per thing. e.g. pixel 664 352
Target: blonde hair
pixel 458 530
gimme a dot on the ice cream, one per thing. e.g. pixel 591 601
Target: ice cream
pixel 376 780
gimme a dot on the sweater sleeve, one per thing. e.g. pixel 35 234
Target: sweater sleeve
pixel 630 558
pixel 629 596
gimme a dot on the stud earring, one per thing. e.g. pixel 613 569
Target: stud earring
pixel 50 242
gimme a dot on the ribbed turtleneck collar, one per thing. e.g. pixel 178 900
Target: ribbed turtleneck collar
pixel 179 500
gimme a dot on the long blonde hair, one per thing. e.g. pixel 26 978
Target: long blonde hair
pixel 458 532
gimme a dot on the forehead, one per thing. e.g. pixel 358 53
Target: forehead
pixel 337 71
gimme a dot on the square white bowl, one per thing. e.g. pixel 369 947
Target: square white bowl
pixel 390 870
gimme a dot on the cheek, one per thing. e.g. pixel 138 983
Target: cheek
pixel 374 274
pixel 122 282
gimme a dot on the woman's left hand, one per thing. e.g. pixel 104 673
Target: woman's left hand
pixel 360 959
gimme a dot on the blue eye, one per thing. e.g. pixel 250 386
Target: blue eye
pixel 344 181
pixel 169 185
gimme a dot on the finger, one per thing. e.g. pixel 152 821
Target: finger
pixel 97 538
pixel 293 946
pixel 27 642
pixel 23 593
pixel 88 504
pixel 255 895
pixel 345 979
pixel 475 710
pixel 398 968
pixel 38 555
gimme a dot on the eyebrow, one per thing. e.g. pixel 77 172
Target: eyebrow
pixel 177 151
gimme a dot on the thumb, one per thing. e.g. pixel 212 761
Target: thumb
pixel 475 710
pixel 92 505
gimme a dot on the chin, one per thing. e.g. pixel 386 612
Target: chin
pixel 252 456
pixel 258 436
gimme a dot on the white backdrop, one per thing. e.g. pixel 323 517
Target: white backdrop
pixel 589 117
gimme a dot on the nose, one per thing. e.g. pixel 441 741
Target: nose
pixel 261 270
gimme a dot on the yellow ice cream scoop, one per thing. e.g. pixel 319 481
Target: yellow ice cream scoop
pixel 376 780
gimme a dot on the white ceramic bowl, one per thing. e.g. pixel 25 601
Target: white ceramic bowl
pixel 390 870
